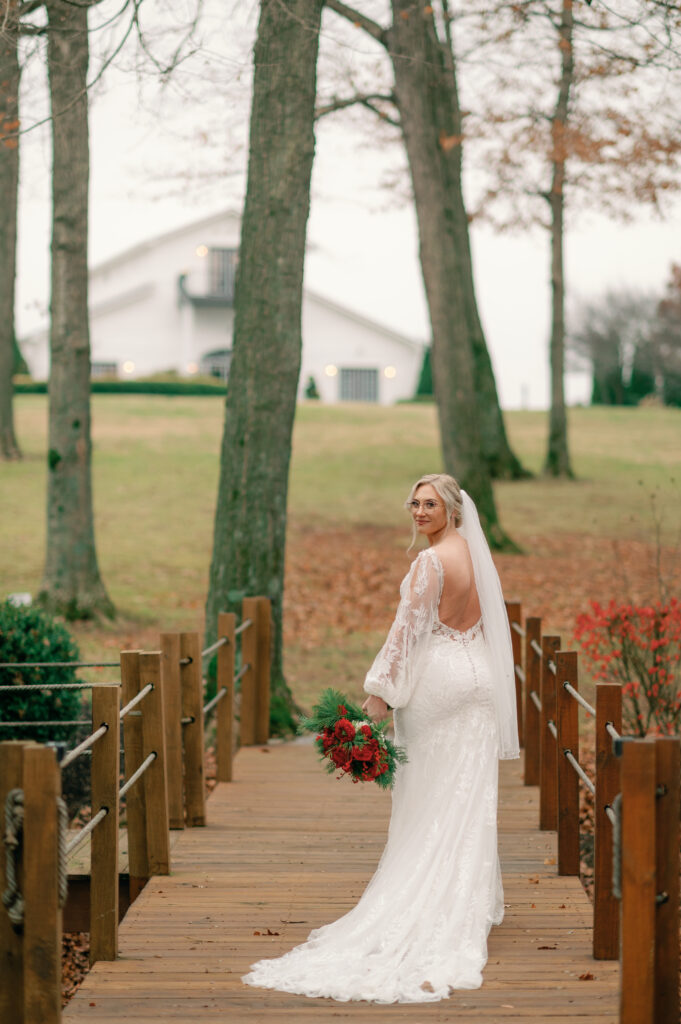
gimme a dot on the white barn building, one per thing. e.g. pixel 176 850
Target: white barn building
pixel 167 304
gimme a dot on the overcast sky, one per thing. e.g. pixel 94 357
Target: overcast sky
pixel 155 167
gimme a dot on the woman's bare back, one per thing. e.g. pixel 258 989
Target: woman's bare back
pixel 459 605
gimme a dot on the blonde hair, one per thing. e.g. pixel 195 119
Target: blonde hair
pixel 448 489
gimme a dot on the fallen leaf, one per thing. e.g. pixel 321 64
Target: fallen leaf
pixel 561 906
pixel 587 976
pixel 256 933
pixel 547 947
pixel 549 860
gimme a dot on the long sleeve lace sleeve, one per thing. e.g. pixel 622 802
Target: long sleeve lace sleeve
pixel 393 674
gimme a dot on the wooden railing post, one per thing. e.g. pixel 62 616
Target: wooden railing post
pixel 153 740
pixel 135 799
pixel 567 724
pixel 532 723
pixel 192 708
pixel 104 845
pixel 42 915
pixel 637 993
pixel 263 669
pixel 172 701
pixel 606 931
pixel 249 656
pixel 11 945
pixel 667 774
pixel 514 612
pixel 548 810
pixel 224 712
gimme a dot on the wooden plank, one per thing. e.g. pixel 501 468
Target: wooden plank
pixel 154 778
pixel 532 684
pixel 514 612
pixel 265 860
pixel 104 839
pixel 606 907
pixel 224 732
pixel 263 669
pixel 548 767
pixel 11 946
pixel 42 916
pixel 667 776
pixel 192 735
pixel 568 782
pixel 637 1005
pixel 135 799
pixel 172 715
pixel 249 656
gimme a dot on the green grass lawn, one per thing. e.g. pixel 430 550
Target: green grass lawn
pixel 155 468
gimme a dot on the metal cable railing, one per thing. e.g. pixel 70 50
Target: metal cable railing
pixel 59 664
pixel 27 687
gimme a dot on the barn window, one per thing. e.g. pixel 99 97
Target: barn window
pixel 358 385
pixel 104 370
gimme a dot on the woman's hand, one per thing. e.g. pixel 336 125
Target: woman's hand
pixel 375 708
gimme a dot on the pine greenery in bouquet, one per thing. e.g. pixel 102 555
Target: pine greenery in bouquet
pixel 350 743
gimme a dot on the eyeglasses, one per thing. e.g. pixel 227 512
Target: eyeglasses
pixel 429 505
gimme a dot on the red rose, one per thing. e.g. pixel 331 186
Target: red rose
pixel 344 730
pixel 362 753
pixel 366 731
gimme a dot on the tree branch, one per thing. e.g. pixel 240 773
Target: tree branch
pixel 360 20
pixel 364 99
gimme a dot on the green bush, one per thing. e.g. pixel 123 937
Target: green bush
pixel 136 387
pixel 30 634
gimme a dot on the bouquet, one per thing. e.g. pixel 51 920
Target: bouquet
pixel 351 743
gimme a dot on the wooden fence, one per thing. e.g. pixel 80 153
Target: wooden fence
pixel 636 817
pixel 162 715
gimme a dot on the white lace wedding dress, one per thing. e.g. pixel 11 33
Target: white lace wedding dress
pixel 421 926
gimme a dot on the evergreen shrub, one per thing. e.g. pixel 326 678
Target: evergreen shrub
pixel 29 634
pixel 135 387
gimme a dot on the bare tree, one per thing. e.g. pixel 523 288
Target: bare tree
pixel 250 520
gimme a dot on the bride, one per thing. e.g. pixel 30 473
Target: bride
pixel 446 669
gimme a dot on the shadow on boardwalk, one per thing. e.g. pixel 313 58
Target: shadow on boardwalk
pixel 287 849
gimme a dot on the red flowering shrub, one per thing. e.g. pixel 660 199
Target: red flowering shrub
pixel 639 647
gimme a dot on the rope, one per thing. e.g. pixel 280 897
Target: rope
pixel 612 731
pixel 580 771
pixel 519 671
pixel 518 628
pixel 244 625
pixel 86 830
pixel 616 845
pixel 242 672
pixel 59 664
pixel 85 745
pixel 62 869
pixel 536 648
pixel 136 774
pixel 135 700
pixel 19 725
pixel 52 686
pixel 213 647
pixel 551 665
pixel 211 703
pixel 578 697
pixel 535 699
pixel 552 728
pixel 14 827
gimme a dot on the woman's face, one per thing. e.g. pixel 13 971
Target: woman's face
pixel 428 511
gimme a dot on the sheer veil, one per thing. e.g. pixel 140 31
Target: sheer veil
pixel 496 628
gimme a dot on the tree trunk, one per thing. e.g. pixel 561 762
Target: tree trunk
pixel 71 584
pixel 431 124
pixel 250 521
pixel 9 182
pixel 557 456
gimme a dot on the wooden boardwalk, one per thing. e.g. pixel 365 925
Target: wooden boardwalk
pixel 288 848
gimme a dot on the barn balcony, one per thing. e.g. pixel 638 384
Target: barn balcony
pixel 211 284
